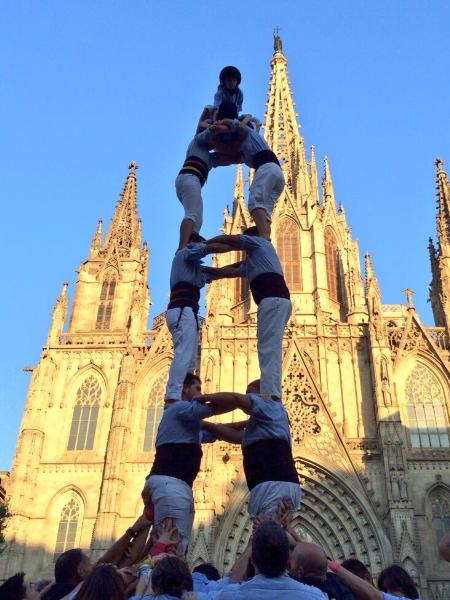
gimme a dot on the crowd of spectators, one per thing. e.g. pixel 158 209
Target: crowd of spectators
pixel 277 564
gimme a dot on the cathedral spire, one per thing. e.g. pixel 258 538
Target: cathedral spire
pixel 443 204
pixel 97 239
pixel 124 231
pixel 328 201
pixel 313 176
pixel 440 256
pixel 238 195
pixel 281 129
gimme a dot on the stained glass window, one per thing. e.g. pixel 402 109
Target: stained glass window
pixel 104 311
pixel 426 411
pixel 440 510
pixel 289 252
pixel 67 528
pixel 333 266
pixel 154 412
pixel 85 413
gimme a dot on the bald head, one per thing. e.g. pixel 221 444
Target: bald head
pixel 308 560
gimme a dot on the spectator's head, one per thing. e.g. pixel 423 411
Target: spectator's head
pixel 358 568
pixel 253 387
pixel 171 576
pixel 230 77
pixel 73 565
pixel 396 581
pixel 208 570
pixel 192 386
pixel 103 583
pixel 270 550
pixel 227 110
pixel 308 560
pixel 15 588
pixel 252 231
pixel 196 238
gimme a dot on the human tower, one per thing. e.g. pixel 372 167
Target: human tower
pixel 224 136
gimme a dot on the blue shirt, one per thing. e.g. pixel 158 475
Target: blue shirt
pixel 199 147
pixel 181 421
pixel 251 144
pixel 203 584
pixel 273 588
pixel 387 596
pixel 261 257
pixel 268 420
pixel 186 265
pixel 235 96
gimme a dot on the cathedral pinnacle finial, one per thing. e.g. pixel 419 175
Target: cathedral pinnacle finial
pixel 133 166
pixel 409 294
pixel 277 43
pixel 439 163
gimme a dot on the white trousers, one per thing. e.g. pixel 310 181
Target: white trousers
pixel 172 498
pixel 183 328
pixel 272 316
pixel 189 193
pixel 265 497
pixel 267 185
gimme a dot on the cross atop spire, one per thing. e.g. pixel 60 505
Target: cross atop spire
pixel 281 129
pixel 124 231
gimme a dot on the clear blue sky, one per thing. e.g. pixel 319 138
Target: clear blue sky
pixel 88 86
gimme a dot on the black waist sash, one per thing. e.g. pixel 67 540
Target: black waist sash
pixel 269 285
pixel 193 165
pixel 269 460
pixel 184 294
pixel 178 460
pixel 263 157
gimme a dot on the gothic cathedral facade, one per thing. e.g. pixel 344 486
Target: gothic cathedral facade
pixel 366 386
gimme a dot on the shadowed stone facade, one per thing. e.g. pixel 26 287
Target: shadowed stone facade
pixel 366 387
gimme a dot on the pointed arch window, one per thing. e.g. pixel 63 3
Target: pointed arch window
pixel 241 287
pixel 439 501
pixel 426 410
pixel 85 413
pixel 154 412
pixel 105 306
pixel 333 266
pixel 67 529
pixel 288 249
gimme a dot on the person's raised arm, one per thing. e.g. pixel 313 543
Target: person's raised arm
pixel 230 240
pixel 239 569
pixel 217 248
pixel 227 401
pixel 362 589
pixel 222 272
pixel 115 553
pixel 224 431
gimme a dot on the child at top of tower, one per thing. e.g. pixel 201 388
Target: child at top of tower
pixel 228 89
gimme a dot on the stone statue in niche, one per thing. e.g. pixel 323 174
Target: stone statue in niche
pixel 395 486
pixel 403 482
pixel 385 384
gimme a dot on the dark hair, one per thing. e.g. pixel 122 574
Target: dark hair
pixel 270 549
pixel 253 231
pixel 103 583
pixel 356 567
pixel 67 563
pixel 230 73
pixel 13 588
pixel 227 110
pixel 196 237
pixel 209 570
pixel 171 576
pixel 66 574
pixel 190 379
pixel 395 578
